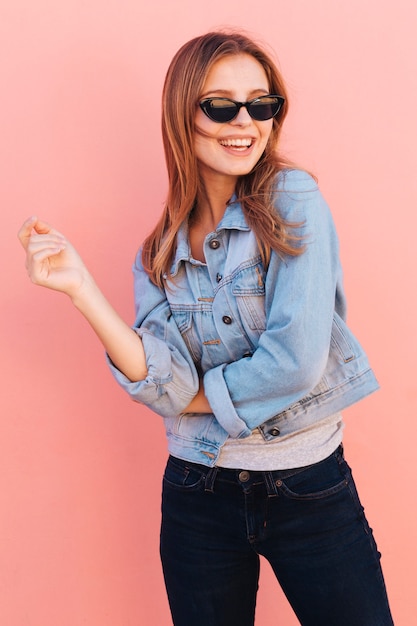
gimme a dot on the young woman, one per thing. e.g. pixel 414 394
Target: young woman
pixel 240 344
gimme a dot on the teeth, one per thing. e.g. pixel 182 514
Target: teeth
pixel 238 143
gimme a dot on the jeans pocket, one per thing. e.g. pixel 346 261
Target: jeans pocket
pixel 317 481
pixel 182 475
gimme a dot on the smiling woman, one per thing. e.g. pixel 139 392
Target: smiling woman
pixel 240 344
pixel 227 149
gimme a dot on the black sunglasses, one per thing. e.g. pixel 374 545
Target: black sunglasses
pixel 225 110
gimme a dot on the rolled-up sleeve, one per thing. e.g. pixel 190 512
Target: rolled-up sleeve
pixel 292 353
pixel 172 379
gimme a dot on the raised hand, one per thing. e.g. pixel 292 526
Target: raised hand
pixel 51 260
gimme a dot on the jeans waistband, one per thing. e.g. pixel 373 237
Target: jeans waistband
pixel 248 478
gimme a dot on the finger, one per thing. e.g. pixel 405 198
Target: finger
pixel 38 255
pixel 35 231
pixel 37 225
pixel 36 268
pixel 37 242
pixel 43 228
pixel 26 230
pixel 42 255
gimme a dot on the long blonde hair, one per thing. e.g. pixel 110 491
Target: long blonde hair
pixel 183 85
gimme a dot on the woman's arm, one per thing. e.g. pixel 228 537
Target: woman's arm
pixel 300 298
pixel 199 404
pixel 53 262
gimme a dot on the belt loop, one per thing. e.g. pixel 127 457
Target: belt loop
pixel 210 478
pixel 339 454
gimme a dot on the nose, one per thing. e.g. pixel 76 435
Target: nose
pixel 242 118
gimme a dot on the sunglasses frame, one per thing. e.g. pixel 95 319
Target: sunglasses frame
pixel 205 107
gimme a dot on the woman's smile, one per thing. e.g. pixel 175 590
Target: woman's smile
pixel 240 144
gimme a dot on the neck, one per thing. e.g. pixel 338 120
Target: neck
pixel 211 204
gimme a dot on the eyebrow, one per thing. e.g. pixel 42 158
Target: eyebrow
pixel 226 93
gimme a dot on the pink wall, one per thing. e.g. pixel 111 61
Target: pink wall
pixel 80 146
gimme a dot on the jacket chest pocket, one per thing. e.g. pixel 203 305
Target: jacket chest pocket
pixel 248 288
pixel 184 321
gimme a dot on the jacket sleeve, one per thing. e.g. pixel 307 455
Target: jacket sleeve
pixel 300 294
pixel 172 379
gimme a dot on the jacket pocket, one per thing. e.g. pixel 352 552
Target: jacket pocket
pixel 340 341
pixel 248 287
pixel 184 321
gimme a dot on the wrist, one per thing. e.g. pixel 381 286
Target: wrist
pixel 85 292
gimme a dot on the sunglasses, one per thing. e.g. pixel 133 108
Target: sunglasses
pixel 223 110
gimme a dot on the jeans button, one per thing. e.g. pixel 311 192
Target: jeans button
pixel 278 483
pixel 274 432
pixel 244 476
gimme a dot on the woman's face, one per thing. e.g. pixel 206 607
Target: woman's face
pixel 228 150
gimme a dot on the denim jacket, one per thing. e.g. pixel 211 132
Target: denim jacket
pixel 271 345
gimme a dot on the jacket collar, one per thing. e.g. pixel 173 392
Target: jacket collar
pixel 233 219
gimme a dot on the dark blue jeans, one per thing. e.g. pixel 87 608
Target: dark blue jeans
pixel 307 522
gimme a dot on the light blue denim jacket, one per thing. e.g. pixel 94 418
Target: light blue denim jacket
pixel 271 346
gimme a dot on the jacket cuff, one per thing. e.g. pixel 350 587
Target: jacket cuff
pixel 217 394
pixel 162 391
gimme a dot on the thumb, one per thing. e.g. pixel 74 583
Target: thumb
pixel 33 224
pixel 42 228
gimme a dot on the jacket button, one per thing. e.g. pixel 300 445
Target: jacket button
pixel 244 476
pixel 226 319
pixel 214 244
pixel 275 432
pixel 247 354
pixel 218 277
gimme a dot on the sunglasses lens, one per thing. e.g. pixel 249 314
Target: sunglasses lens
pixel 219 109
pixel 265 107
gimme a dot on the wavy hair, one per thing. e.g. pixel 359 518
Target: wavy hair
pixel 183 85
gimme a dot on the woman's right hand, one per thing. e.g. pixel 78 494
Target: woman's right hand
pixel 51 260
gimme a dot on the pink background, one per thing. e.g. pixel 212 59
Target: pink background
pixel 80 464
